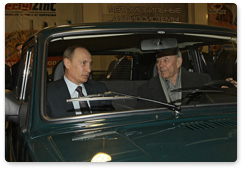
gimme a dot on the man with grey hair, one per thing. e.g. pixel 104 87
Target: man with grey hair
pixel 75 83
pixel 170 76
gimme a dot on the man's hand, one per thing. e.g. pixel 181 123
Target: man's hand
pixel 231 81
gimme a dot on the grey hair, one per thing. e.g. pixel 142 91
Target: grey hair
pixel 179 53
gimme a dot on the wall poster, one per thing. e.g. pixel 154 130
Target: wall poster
pixel 21 21
pixel 223 15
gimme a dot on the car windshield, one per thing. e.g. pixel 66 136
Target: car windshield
pixel 134 76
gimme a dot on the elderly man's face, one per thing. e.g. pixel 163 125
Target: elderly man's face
pixel 79 67
pixel 168 67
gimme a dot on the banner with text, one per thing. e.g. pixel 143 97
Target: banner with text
pixel 145 12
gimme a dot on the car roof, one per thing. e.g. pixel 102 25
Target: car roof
pixel 170 27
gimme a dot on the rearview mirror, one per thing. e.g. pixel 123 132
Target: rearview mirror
pixel 159 44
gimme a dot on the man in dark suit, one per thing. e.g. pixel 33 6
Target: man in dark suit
pixel 75 83
pixel 208 64
pixel 15 67
pixel 8 78
pixel 119 69
pixel 217 62
pixel 170 76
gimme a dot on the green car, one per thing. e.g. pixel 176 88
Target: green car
pixel 204 129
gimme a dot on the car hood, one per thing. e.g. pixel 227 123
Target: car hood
pixel 213 140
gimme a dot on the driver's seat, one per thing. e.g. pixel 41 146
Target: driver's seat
pixel 58 71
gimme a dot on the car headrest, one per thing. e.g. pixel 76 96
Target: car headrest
pixel 58 71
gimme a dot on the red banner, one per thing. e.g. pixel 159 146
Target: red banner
pixel 52 61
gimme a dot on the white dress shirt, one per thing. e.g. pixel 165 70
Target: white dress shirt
pixel 74 94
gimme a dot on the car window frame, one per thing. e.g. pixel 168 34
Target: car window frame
pixel 24 70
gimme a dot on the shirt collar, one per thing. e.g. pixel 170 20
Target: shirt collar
pixel 71 86
pixel 219 52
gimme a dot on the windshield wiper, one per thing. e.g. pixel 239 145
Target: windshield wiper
pixel 96 97
pixel 111 95
pixel 170 106
pixel 190 90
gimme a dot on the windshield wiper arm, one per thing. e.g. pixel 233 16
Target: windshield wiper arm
pixel 119 96
pixel 170 106
pixel 96 97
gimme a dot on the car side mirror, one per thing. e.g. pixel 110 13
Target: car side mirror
pixel 12 106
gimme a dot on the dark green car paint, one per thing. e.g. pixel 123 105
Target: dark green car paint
pixel 153 137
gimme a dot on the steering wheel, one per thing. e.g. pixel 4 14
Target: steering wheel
pixel 217 84
pixel 212 85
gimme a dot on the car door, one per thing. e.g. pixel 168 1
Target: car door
pixel 18 124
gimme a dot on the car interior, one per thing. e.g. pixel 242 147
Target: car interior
pixel 136 46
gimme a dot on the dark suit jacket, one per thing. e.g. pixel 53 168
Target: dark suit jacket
pixel 218 70
pixel 15 73
pixel 122 71
pixel 57 94
pixel 8 78
pixel 153 88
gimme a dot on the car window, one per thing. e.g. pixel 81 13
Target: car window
pixel 120 64
pixel 229 54
pixel 112 67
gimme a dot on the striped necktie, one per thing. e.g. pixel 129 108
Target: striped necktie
pixel 83 104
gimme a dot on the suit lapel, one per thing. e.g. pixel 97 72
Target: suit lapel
pixel 63 87
pixel 156 89
pixel 65 94
pixel 185 81
pixel 89 89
